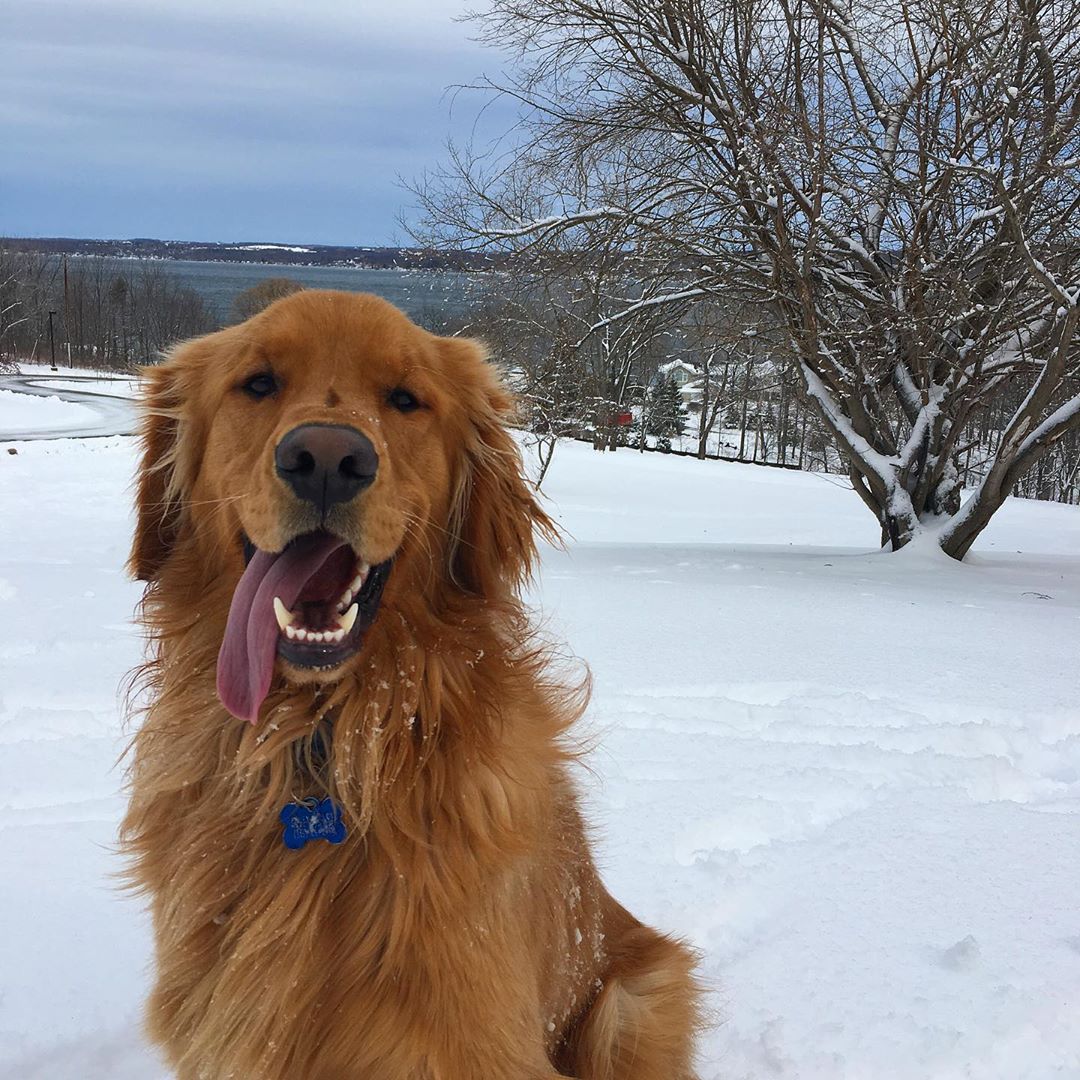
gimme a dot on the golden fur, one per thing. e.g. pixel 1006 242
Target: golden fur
pixel 460 932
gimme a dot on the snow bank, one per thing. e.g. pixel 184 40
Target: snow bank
pixel 853 780
pixel 21 414
pixel 62 371
pixel 110 387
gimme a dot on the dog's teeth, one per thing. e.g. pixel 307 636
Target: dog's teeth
pixel 301 634
pixel 282 613
pixel 347 620
pixel 335 635
pixel 291 631
pixel 355 586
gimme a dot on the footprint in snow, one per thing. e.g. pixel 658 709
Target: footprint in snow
pixel 962 956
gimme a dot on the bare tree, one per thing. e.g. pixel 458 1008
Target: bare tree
pixel 13 306
pixel 11 302
pixel 572 377
pixel 896 183
pixel 720 339
pixel 119 312
pixel 111 313
pixel 621 352
pixel 26 291
pixel 251 301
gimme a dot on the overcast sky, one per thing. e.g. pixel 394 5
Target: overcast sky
pixel 286 120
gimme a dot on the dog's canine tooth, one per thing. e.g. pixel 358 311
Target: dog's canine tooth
pixel 346 621
pixel 282 613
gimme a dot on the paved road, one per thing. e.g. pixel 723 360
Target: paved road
pixel 116 415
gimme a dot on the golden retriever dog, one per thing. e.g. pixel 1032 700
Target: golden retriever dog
pixel 352 805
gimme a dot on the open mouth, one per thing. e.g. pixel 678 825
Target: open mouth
pixel 310 604
pixel 326 623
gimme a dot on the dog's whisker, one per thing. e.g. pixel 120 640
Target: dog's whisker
pixel 221 501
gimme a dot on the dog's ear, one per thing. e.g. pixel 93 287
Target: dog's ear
pixel 494 515
pixel 157 505
pixel 166 467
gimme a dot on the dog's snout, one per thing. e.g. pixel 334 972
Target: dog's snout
pixel 326 464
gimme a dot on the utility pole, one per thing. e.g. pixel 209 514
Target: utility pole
pixel 52 342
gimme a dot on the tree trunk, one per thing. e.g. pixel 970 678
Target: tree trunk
pixel 545 458
pixel 745 403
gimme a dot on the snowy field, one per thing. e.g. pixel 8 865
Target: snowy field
pixel 853 780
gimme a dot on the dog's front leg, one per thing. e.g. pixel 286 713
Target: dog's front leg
pixel 486 1070
pixel 482 1055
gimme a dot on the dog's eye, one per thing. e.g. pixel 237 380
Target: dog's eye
pixel 260 386
pixel 402 400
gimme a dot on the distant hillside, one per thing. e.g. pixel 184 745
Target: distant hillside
pixel 373 258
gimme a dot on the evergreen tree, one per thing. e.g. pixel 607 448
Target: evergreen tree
pixel 666 414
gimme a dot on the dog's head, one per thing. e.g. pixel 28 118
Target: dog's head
pixel 325 457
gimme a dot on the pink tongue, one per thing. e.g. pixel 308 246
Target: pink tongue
pixel 246 660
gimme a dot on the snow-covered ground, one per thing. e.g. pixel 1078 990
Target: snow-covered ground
pixel 37 405
pixel 853 780
pixel 21 414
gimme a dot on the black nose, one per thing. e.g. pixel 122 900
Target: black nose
pixel 326 463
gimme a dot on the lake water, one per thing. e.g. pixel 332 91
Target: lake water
pixel 428 296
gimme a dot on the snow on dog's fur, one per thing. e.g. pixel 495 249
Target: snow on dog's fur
pixel 460 932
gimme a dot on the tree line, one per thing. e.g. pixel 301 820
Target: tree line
pixel 712 378
pixel 106 313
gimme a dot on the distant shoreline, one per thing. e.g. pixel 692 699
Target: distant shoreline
pixel 266 254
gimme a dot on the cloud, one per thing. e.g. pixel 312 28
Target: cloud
pixel 224 120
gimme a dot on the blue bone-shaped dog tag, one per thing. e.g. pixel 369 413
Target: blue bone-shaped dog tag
pixel 312 820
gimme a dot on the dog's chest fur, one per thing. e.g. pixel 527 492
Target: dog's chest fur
pixel 384 945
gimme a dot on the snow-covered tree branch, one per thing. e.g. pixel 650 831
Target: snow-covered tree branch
pixel 895 186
